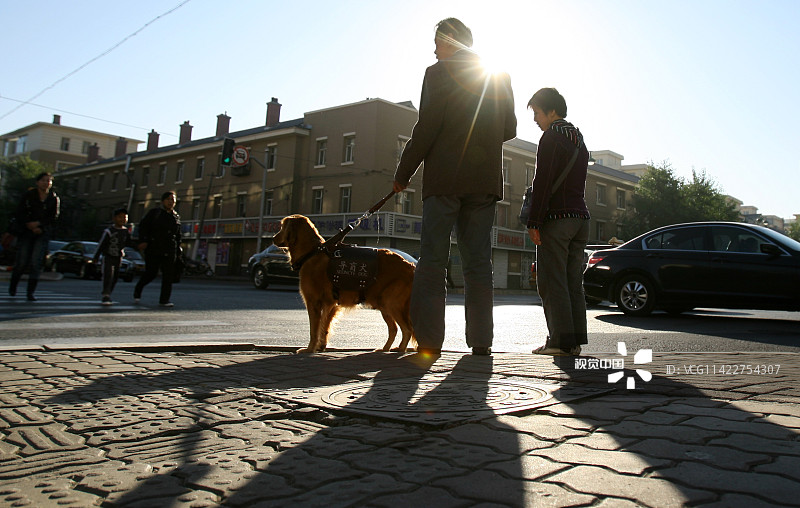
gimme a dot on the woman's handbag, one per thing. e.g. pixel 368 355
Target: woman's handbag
pixel 527 198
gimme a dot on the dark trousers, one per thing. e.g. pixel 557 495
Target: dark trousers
pixel 111 266
pixel 473 216
pixel 31 251
pixel 559 279
pixel 155 261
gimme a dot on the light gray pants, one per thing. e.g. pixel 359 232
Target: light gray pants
pixel 559 279
pixel 473 217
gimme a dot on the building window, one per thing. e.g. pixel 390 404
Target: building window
pixel 217 210
pixel 530 170
pixel 600 229
pixel 179 172
pixel 114 177
pixel 506 171
pixel 162 174
pixel 22 143
pixel 349 148
pixel 316 200
pixel 87 185
pixel 130 178
pixel 268 197
pixel 405 202
pixel 621 199
pixel 196 209
pixel 100 178
pixel 272 152
pixel 241 205
pixel 502 215
pixel 145 176
pixel 402 141
pixel 201 166
pixel 345 193
pixel 85 147
pixel 601 194
pixel 65 144
pixel 322 151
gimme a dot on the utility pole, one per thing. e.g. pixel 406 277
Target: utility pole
pixel 263 200
pixel 224 161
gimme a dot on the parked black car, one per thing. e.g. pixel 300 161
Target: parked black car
pixel 271 265
pixel 75 257
pixel 132 265
pixel 702 264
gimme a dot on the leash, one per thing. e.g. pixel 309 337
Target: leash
pixel 330 245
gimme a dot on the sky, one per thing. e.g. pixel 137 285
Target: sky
pixel 701 85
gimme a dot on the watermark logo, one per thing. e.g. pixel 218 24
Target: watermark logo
pixel 641 357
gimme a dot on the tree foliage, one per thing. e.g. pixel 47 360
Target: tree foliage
pixel 16 176
pixel 793 231
pixel 662 198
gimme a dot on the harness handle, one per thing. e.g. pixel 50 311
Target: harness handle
pixel 335 240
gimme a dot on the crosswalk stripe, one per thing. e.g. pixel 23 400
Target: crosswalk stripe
pixel 108 324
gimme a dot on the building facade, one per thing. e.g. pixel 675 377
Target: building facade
pixel 60 146
pixel 331 165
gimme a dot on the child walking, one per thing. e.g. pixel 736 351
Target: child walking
pixel 112 241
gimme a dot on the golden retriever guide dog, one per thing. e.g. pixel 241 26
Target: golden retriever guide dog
pixel 390 293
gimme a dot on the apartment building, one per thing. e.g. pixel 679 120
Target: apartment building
pixel 331 165
pixel 60 146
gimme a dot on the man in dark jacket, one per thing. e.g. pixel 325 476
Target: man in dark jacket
pixel 36 215
pixel 160 240
pixel 465 115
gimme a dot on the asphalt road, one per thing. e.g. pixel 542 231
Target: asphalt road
pixel 232 311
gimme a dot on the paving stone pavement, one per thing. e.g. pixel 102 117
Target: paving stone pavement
pixel 201 427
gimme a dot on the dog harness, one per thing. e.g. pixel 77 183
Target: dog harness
pixel 350 268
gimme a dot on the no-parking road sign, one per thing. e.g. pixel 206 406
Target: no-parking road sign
pixel 241 155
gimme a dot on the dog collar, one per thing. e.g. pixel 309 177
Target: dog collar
pixel 299 264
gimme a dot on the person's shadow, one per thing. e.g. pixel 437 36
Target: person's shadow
pixel 577 452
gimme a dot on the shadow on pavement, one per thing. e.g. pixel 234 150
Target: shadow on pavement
pixel 666 443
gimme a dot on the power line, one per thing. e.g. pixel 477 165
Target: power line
pixel 77 114
pixel 101 55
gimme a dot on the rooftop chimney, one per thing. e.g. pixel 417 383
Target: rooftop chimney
pixel 273 112
pixel 186 133
pixel 94 153
pixel 152 140
pixel 57 119
pixel 223 125
pixel 121 148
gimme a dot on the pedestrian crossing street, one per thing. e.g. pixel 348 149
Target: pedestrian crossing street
pixel 74 319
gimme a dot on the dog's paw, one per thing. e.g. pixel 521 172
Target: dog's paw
pixel 304 350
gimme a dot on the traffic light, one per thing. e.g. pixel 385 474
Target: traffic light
pixel 227 151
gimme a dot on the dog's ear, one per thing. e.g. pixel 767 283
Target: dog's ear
pixel 290 234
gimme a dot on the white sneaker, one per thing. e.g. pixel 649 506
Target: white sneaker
pixel 168 304
pixel 137 300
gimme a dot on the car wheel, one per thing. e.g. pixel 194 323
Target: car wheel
pixel 83 273
pixel 260 277
pixel 636 296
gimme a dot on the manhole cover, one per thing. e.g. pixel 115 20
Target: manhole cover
pixel 437 398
